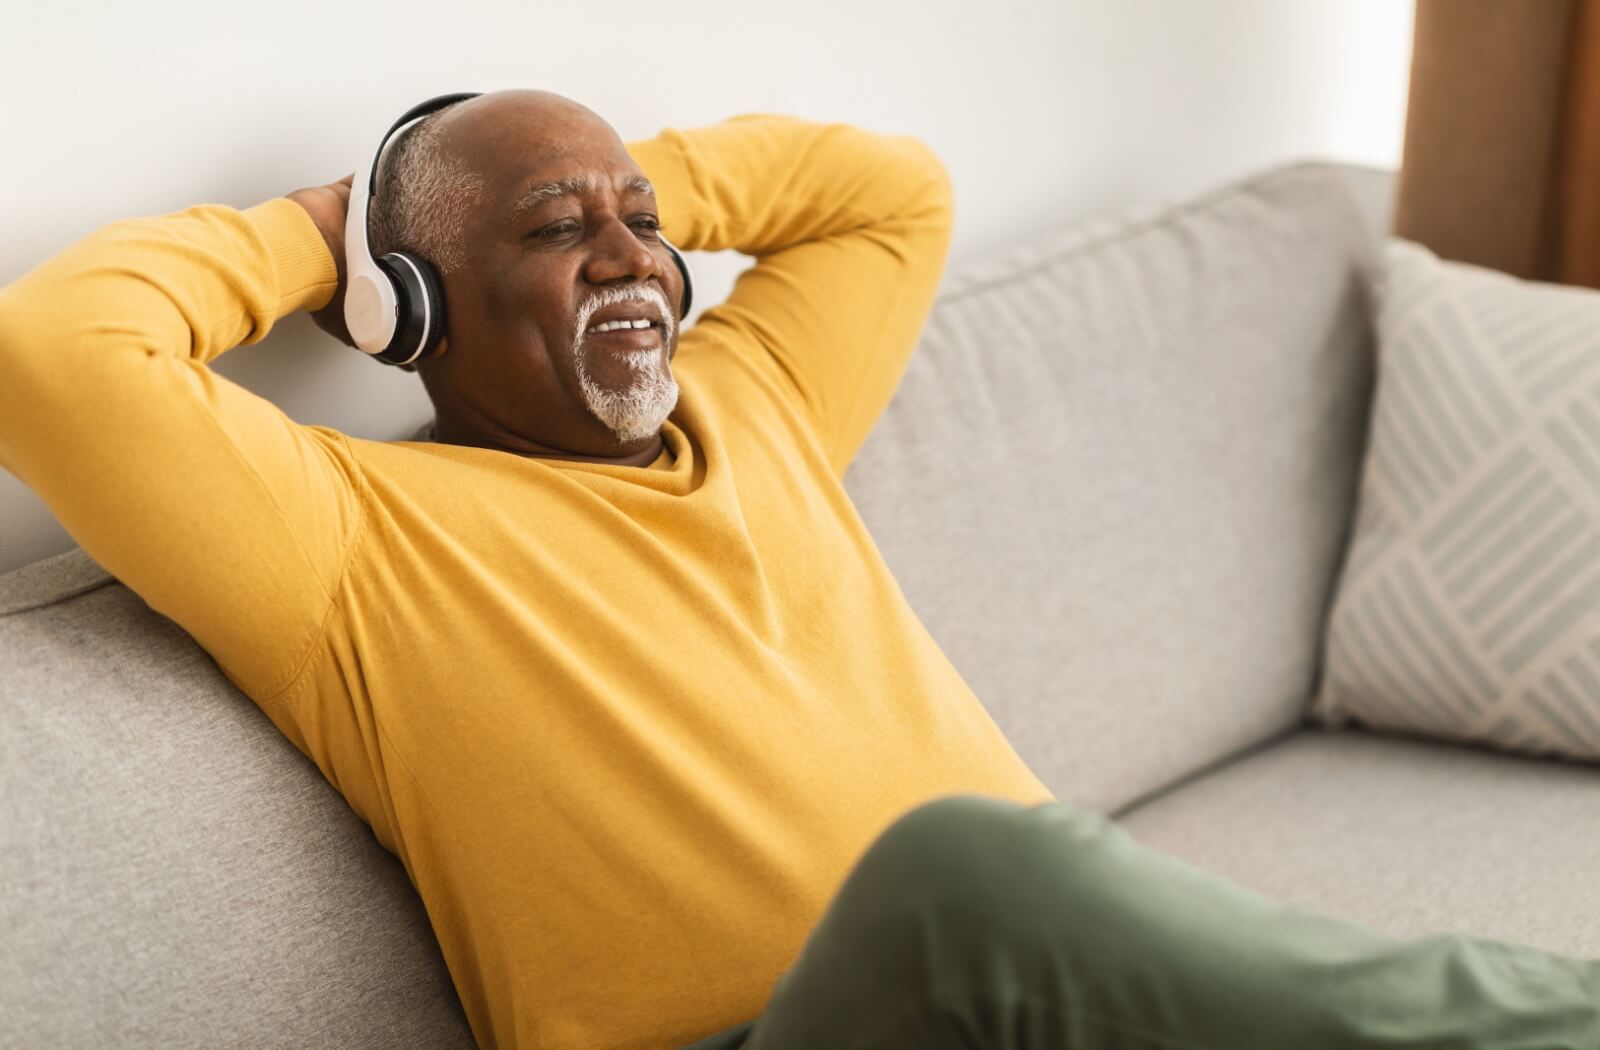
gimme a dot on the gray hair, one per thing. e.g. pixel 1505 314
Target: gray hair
pixel 423 197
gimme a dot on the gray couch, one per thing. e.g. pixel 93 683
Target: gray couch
pixel 1117 485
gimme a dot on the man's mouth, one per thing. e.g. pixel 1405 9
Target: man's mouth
pixel 626 321
pixel 609 326
pixel 641 334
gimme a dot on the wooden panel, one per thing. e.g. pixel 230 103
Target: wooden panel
pixel 1478 171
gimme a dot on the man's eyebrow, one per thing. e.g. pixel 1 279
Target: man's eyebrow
pixel 573 185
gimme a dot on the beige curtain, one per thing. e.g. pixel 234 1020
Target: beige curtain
pixel 1501 163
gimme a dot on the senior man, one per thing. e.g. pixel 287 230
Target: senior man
pixel 611 664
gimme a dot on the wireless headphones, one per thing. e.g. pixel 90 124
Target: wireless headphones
pixel 394 306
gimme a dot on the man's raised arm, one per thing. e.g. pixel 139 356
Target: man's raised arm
pixel 850 230
pixel 215 507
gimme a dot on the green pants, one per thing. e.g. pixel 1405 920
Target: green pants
pixel 974 922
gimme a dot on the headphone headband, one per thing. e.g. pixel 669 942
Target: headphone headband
pixel 411 116
pixel 372 299
pixel 394 306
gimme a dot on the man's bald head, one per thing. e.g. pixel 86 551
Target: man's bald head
pixel 426 190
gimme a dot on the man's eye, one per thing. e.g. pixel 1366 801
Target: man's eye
pixel 562 228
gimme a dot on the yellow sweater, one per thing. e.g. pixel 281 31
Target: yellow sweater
pixel 627 728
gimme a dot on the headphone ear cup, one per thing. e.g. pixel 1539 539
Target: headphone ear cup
pixel 688 282
pixel 420 301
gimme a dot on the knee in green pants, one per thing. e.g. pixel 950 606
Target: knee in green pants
pixel 973 921
pixel 969 922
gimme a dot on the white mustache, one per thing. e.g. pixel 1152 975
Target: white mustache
pixel 639 293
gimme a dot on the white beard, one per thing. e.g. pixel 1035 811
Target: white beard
pixel 638 410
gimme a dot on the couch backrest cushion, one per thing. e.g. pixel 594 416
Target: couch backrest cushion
pixel 172 871
pixel 1118 475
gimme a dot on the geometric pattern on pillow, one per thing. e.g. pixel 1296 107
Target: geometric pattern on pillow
pixel 1469 604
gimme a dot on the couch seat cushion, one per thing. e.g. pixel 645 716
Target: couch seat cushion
pixel 1409 836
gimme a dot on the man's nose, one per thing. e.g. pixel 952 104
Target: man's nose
pixel 619 253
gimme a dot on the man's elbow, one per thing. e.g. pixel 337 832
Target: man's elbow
pixel 11 362
pixel 933 194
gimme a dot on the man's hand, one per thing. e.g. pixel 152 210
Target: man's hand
pixel 328 205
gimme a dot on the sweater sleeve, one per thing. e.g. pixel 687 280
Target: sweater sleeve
pixel 850 230
pixel 206 500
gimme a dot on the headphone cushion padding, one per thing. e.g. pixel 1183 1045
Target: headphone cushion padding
pixel 420 296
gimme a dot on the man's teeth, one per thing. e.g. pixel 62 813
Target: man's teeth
pixel 611 326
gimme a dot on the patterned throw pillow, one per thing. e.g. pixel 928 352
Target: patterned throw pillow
pixel 1469 605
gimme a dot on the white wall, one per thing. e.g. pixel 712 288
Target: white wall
pixel 1046 112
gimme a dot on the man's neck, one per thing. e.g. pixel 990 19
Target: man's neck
pixel 536 450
